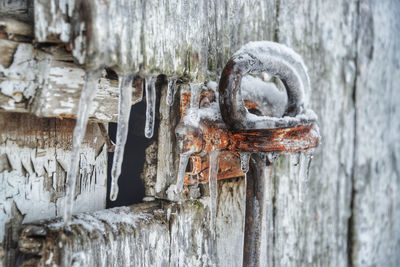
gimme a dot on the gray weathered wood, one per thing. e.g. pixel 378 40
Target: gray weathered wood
pixel 163 36
pixel 315 232
pixel 147 234
pixel 375 224
pixel 45 81
pixel 350 215
pixel 34 157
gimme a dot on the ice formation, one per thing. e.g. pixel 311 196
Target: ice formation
pixel 244 161
pixel 86 99
pixel 150 106
pixel 183 161
pixel 304 161
pixel 189 121
pixel 279 61
pixel 273 100
pixel 124 109
pixel 193 116
pixel 171 90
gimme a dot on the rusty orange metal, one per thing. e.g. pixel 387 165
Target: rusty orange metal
pixel 230 143
pixel 213 135
pixel 278 140
pixel 259 140
pixel 229 167
pixel 215 138
pixel 250 104
pixel 185 102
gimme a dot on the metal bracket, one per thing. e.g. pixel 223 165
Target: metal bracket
pixel 235 130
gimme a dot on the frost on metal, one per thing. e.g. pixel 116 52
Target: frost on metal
pixel 276 60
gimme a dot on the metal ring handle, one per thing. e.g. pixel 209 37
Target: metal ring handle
pixel 256 57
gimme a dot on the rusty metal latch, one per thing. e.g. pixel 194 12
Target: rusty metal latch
pixel 244 127
pixel 236 129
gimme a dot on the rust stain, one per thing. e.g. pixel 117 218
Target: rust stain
pixel 229 167
pixel 68 48
pixel 185 102
pixel 194 164
pixel 213 135
pixel 214 138
pixel 250 104
pixel 280 140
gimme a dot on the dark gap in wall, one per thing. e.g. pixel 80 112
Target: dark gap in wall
pixel 131 187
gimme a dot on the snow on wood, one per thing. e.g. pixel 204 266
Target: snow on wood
pixel 148 234
pixel 349 215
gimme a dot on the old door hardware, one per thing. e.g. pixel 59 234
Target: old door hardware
pixel 297 123
pixel 296 132
pixel 230 128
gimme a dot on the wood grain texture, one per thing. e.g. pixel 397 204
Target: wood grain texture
pixel 148 234
pixel 34 157
pixel 45 81
pixel 350 215
pixel 376 182
pixel 46 84
pixel 175 36
pixel 315 232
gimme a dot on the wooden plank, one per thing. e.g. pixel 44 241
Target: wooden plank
pixel 375 223
pixel 18 9
pixel 48 85
pixel 314 232
pixel 350 214
pixel 147 234
pixel 34 157
pixel 170 37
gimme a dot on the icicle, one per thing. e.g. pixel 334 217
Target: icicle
pixel 124 109
pixel 189 119
pixel 195 90
pixel 86 99
pixel 192 116
pixel 245 159
pixel 212 181
pixel 304 161
pixel 171 90
pixel 150 106
pixel 183 161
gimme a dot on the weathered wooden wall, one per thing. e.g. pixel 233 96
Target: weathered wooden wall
pixel 351 212
pixel 34 157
